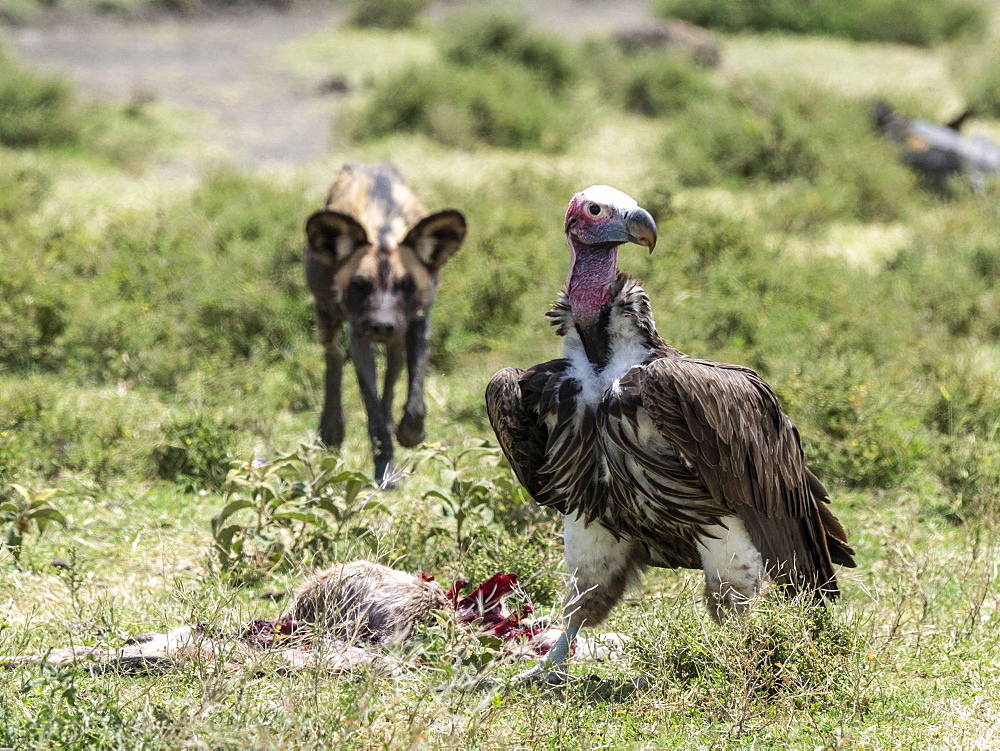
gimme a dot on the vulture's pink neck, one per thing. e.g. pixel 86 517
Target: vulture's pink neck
pixel 591 281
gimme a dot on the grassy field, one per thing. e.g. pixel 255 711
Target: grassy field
pixel 155 333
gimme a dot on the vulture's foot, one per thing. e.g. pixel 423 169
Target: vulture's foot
pixel 535 677
pixel 539 676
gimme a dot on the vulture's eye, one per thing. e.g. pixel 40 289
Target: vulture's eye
pixel 594 209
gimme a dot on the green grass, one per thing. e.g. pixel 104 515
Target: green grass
pixel 918 22
pixel 920 77
pixel 977 68
pixel 152 332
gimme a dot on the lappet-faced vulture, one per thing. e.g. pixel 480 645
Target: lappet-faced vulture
pixel 653 457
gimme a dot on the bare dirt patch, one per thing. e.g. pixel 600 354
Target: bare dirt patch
pixel 226 65
pixel 222 65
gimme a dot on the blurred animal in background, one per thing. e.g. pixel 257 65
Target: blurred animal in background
pixel 372 259
pixel 937 152
pixel 672 37
pixel 656 458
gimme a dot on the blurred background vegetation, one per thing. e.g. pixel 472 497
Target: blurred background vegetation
pixel 149 337
pixel 191 320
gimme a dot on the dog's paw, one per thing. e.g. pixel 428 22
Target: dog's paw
pixel 331 433
pixel 410 431
pixel 385 475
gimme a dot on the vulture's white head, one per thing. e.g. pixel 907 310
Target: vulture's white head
pixel 602 216
pixel 598 220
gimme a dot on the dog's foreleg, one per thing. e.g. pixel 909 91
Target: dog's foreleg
pixel 379 431
pixel 411 427
pixel 331 422
pixel 394 360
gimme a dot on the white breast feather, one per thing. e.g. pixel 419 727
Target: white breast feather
pixel 628 349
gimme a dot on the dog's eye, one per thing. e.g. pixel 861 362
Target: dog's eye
pixel 405 285
pixel 360 285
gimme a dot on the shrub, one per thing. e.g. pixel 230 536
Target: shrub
pixel 22 190
pixel 498 105
pixel 34 110
pixel 474 40
pixel 784 651
pixel 920 22
pixel 215 278
pixel 507 273
pixel 759 131
pixel 386 14
pixel 969 471
pixel 196 448
pixel 54 431
pixel 650 83
pixel 531 555
pixel 11 459
pixel 501 86
pixel 854 433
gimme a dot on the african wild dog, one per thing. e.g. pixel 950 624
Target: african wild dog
pixel 372 260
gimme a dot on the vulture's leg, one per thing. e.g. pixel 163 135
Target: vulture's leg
pixel 601 568
pixel 734 568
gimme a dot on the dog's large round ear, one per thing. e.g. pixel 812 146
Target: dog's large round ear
pixel 436 238
pixel 333 236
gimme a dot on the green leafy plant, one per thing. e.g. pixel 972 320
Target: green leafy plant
pixel 467 495
pixel 497 104
pixel 288 511
pixel 29 508
pixel 799 135
pixel 455 651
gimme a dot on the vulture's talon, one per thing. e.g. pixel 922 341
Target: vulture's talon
pixel 555 679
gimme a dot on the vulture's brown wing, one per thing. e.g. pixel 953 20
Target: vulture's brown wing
pixel 516 401
pixel 728 423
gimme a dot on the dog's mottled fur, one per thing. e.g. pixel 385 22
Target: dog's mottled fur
pixel 372 260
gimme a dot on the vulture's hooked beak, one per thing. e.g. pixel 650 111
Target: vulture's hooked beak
pixel 641 228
